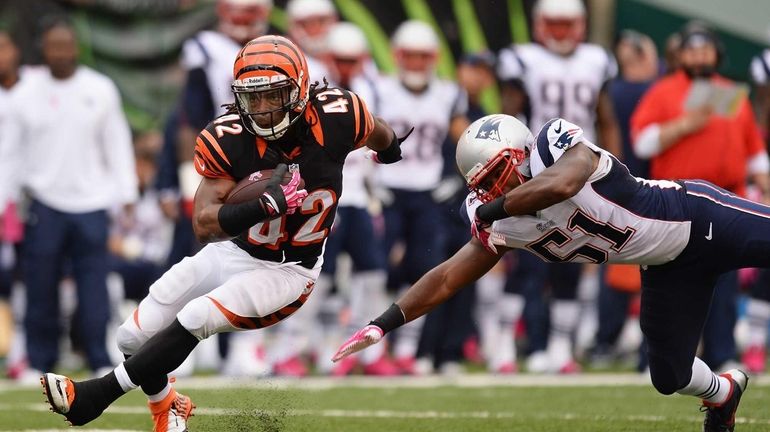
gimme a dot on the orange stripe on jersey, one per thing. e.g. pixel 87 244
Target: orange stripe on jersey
pixel 208 158
pixel 236 320
pixel 354 97
pixel 261 147
pixel 311 116
pixel 136 318
pixel 368 125
pixel 214 143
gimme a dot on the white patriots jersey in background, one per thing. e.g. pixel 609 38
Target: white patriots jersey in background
pixel 215 53
pixel 559 86
pixel 615 217
pixel 358 167
pixel 430 113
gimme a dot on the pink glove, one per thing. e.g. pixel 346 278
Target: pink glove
pixel 294 196
pixel 368 335
pixel 482 230
pixel 12 228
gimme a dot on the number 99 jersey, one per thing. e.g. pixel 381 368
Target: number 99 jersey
pixel 335 122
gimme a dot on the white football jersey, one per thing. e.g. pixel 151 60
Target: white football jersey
pixel 760 67
pixel 430 113
pixel 559 86
pixel 215 53
pixel 357 167
pixel 614 218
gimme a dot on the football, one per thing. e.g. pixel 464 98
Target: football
pixel 254 185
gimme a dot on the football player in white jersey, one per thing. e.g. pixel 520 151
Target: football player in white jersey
pixel 558 76
pixel 309 25
pixel 435 108
pixel 567 200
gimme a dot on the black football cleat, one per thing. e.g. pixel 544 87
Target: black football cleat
pixel 721 418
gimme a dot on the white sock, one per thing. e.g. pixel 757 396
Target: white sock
pixel 489 291
pixel 157 397
pixel 565 315
pixel 705 384
pixel 758 315
pixel 511 306
pixel 125 382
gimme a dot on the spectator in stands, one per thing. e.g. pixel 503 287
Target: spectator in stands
pixel 638 68
pixel 72 150
pixel 701 141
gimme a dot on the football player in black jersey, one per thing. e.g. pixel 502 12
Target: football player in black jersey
pixel 268 269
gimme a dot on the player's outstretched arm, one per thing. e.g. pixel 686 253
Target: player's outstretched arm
pixel 434 288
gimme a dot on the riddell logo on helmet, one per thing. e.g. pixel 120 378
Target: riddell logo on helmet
pixel 489 129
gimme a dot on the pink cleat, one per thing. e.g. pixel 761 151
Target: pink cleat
pixel 344 367
pixel 382 367
pixel 293 367
pixel 571 367
pixel 507 369
pixel 406 365
pixel 755 359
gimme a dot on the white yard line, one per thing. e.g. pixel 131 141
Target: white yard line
pixel 337 413
pixel 462 381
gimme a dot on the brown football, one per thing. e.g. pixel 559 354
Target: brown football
pixel 254 185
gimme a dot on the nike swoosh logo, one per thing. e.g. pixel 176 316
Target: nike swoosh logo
pixel 558 129
pixel 708 237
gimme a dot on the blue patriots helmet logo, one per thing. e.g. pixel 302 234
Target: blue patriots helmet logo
pixel 489 129
pixel 565 138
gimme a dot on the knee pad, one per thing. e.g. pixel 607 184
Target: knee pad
pixel 129 337
pixel 198 317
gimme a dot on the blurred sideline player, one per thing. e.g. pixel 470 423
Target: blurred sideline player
pixel 758 308
pixel 207 58
pixel 436 109
pixel 309 24
pixel 559 76
pixel 347 59
pixel 269 268
pixel 565 199
pixel 10 226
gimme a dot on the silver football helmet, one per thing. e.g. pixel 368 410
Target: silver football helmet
pixel 490 150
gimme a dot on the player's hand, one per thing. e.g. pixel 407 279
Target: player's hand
pixel 274 197
pixel 390 155
pixel 292 195
pixel 482 230
pixel 363 338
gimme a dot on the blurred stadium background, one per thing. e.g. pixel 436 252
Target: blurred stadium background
pixel 138 44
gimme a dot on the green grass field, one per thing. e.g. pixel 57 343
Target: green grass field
pixel 483 404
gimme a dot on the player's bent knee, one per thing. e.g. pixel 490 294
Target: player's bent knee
pixel 664 378
pixel 201 318
pixel 129 338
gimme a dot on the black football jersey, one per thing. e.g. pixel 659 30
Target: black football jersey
pixel 334 123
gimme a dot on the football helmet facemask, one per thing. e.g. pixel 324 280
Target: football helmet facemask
pixel 560 25
pixel 492 149
pixel 270 85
